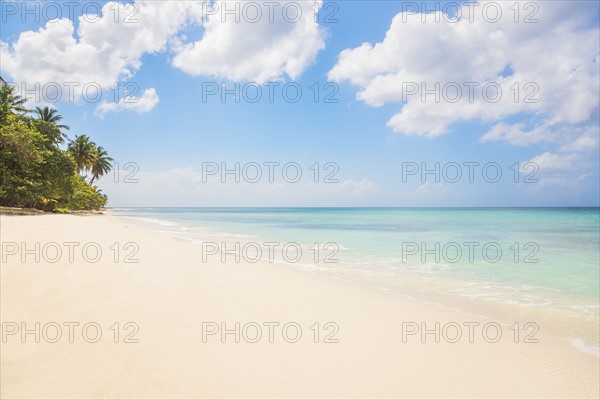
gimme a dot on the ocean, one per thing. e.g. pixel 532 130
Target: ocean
pixel 543 260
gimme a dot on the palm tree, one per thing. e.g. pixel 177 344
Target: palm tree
pixel 51 116
pixel 83 152
pixel 101 164
pixel 11 102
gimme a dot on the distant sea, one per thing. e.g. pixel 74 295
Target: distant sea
pixel 532 258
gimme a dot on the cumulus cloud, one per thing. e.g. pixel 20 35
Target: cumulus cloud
pixel 572 162
pixel 143 104
pixel 534 83
pixel 266 42
pixel 547 70
pixel 575 154
pixel 102 51
pixel 559 170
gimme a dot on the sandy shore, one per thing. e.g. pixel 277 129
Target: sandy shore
pixel 170 298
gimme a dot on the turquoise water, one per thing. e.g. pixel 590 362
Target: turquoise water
pixel 550 256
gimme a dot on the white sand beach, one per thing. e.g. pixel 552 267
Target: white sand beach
pixel 173 297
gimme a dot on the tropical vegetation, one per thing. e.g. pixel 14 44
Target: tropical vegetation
pixel 35 172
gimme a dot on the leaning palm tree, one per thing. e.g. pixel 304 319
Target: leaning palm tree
pixel 83 152
pixel 101 164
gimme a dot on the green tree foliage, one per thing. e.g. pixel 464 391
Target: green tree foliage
pixel 10 103
pixel 22 155
pixel 35 172
pixel 49 117
pixel 85 196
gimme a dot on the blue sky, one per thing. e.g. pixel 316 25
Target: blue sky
pixel 171 55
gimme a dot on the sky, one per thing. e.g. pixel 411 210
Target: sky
pixel 311 103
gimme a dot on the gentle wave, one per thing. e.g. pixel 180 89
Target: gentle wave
pixel 580 345
pixel 369 244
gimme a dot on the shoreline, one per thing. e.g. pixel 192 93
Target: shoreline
pixel 584 331
pixel 170 294
pixel 20 211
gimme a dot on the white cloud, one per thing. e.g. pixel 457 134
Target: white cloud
pixel 575 157
pixel 558 171
pixel 556 163
pixel 424 192
pixel 559 55
pixel 586 142
pixel 284 40
pixel 574 161
pixel 103 51
pixel 553 63
pixel 516 134
pixel 186 187
pixel 143 104
pixel 358 187
pixel 569 137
